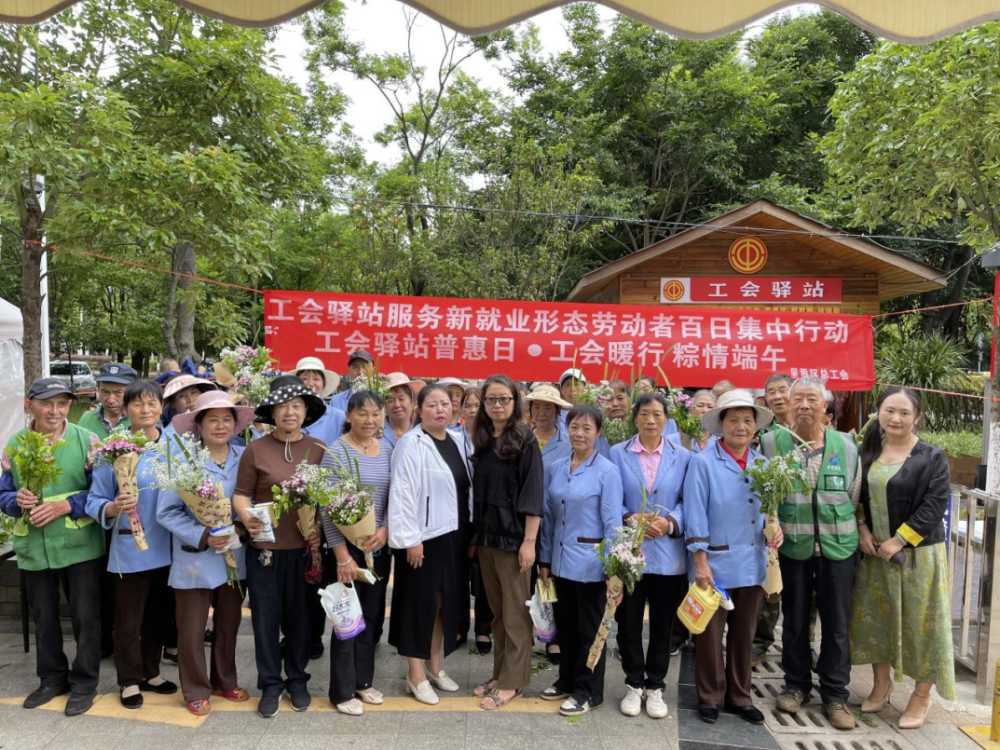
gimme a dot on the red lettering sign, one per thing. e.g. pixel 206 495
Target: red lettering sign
pixel 750 290
pixel 470 338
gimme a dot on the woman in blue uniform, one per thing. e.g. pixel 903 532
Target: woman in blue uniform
pixel 141 592
pixel 725 534
pixel 199 574
pixel 545 407
pixel 652 468
pixel 583 507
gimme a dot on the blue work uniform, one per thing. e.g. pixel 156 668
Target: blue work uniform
pixel 329 427
pixel 339 400
pixel 670 428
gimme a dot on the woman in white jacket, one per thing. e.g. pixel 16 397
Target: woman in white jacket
pixel 430 501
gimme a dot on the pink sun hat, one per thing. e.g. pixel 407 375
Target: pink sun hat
pixel 184 423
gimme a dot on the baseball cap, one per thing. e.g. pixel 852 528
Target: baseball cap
pixel 44 388
pixel 362 355
pixel 572 373
pixel 116 372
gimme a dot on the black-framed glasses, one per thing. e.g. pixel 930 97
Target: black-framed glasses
pixel 494 400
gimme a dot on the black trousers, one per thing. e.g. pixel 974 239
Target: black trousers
pixel 832 582
pixel 352 662
pixel 663 593
pixel 578 612
pixel 107 598
pixel 317 617
pixel 278 605
pixel 82 585
pixel 142 618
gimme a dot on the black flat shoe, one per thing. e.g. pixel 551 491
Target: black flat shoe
pixel 484 647
pixel 552 657
pixel 44 694
pixel 164 688
pixel 79 703
pixel 750 714
pixel 133 701
pixel 708 714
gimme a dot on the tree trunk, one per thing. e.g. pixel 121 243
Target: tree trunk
pixel 185 264
pixel 31 307
pixel 167 326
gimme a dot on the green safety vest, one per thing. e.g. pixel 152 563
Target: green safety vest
pixel 64 541
pixel 91 421
pixel 828 510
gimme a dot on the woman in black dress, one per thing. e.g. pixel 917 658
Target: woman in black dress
pixel 429 509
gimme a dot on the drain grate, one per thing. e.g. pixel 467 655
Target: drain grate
pixel 767 669
pixel 827 743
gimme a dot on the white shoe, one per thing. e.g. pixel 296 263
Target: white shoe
pixel 656 707
pixel 631 704
pixel 422 692
pixel 351 707
pixel 442 681
pixel 370 695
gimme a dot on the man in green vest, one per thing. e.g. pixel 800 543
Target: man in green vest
pixel 61 546
pixel 112 381
pixel 818 554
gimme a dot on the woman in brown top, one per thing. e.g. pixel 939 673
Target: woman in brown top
pixel 276 570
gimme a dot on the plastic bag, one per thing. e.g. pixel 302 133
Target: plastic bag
pixel 343 607
pixel 262 513
pixel 543 617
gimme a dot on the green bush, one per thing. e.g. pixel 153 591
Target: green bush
pixel 955 444
pixel 6 528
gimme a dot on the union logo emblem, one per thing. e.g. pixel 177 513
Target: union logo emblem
pixel 673 290
pixel 747 255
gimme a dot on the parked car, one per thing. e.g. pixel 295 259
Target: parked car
pixel 76 375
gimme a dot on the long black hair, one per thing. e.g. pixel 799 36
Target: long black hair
pixel 515 436
pixel 874 435
pixel 422 396
pixel 359 399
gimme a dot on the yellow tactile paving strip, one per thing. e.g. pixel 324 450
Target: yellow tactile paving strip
pixel 169 709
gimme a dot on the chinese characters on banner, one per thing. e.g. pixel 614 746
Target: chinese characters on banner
pixel 751 290
pixel 438 337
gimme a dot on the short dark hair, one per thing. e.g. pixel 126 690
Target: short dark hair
pixel 140 389
pixel 586 411
pixel 359 399
pixel 649 398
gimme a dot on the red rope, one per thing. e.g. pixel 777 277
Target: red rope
pixel 943 393
pixel 932 307
pixel 165 270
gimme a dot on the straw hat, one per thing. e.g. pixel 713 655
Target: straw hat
pixel 331 380
pixel 184 423
pixel 183 382
pixel 283 390
pixel 549 394
pixel 711 420
pixel 396 379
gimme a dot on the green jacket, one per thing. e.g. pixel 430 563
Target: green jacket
pixel 92 421
pixel 828 510
pixel 65 541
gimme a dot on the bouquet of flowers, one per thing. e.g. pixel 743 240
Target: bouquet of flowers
pixel 298 494
pixel 121 450
pixel 680 410
pixel 624 563
pixel 772 480
pixel 351 505
pixel 246 372
pixel 372 380
pixel 33 457
pixel 596 394
pixel 204 498
pixel 618 430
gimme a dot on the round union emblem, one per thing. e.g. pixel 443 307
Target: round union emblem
pixel 673 290
pixel 747 255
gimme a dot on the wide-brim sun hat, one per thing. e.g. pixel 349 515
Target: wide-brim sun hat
pixel 283 390
pixel 549 394
pixel 452 381
pixel 396 379
pixel 331 380
pixel 183 382
pixel 184 423
pixel 711 420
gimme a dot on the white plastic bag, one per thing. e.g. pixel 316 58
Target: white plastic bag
pixel 229 533
pixel 543 618
pixel 262 513
pixel 343 607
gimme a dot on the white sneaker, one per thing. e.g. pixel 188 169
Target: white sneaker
pixel 351 707
pixel 631 704
pixel 656 707
pixel 422 692
pixel 442 681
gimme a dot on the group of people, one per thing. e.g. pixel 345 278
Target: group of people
pixel 485 490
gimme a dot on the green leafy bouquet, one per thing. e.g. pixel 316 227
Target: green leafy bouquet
pixel 680 409
pixel 33 456
pixel 301 494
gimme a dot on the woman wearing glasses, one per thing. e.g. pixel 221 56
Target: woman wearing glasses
pixel 508 488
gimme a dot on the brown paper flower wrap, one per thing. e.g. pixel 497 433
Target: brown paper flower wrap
pixel 359 533
pixel 126 468
pixel 213 514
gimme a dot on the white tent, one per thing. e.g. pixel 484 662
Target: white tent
pixel 11 371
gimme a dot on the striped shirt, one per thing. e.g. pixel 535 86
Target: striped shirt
pixel 374 473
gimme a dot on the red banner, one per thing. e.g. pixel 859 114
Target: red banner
pixel 750 290
pixel 469 338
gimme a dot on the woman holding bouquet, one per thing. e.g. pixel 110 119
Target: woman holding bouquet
pixel 352 662
pixel 901 613
pixel 725 532
pixel 141 593
pixel 429 508
pixel 276 570
pixel 652 470
pixel 583 507
pixel 508 494
pixel 199 574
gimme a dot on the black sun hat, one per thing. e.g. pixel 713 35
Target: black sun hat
pixel 283 390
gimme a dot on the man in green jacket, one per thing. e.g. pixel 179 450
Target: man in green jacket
pixel 819 552
pixel 59 546
pixel 112 381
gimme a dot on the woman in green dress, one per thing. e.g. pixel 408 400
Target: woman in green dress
pixel 901 613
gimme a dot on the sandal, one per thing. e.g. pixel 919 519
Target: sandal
pixel 484 688
pixel 498 702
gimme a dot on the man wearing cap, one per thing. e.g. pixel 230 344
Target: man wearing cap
pixel 60 545
pixel 112 381
pixel 357 362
